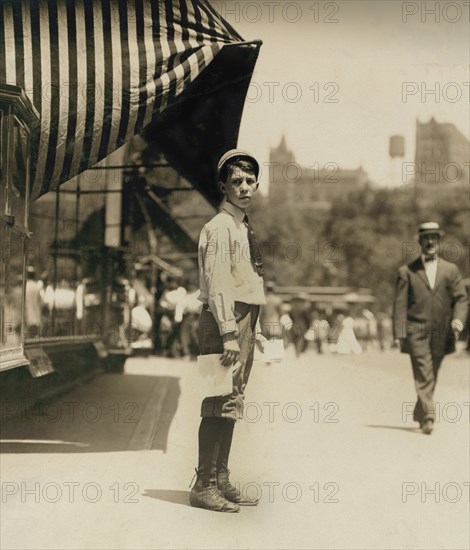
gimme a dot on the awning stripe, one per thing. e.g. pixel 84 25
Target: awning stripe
pixel 71 91
pixel 143 65
pixel 199 31
pixel 189 42
pixel 92 83
pixel 81 86
pixel 150 49
pixel 108 79
pixel 3 74
pixel 45 80
pixel 36 53
pixel 63 68
pixel 27 51
pixel 18 26
pixel 180 61
pixel 117 78
pixel 52 95
pixel 98 70
pixel 100 73
pixel 134 67
pixel 125 70
pixel 10 39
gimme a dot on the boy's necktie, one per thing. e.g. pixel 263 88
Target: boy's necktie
pixel 255 251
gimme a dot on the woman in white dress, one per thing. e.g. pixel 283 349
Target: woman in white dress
pixel 347 342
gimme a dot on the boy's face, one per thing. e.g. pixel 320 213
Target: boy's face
pixel 240 188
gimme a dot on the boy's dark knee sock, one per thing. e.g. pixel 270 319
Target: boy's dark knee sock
pixel 209 445
pixel 225 445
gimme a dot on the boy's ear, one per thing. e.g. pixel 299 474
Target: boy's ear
pixel 257 185
pixel 221 185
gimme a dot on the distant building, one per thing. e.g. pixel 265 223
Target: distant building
pixel 282 154
pixel 397 154
pixel 313 187
pixel 442 154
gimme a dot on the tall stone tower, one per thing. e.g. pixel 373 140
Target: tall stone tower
pixel 280 158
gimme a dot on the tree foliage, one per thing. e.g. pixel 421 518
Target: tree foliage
pixel 362 239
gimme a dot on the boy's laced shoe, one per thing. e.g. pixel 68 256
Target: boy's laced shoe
pixel 205 494
pixel 231 493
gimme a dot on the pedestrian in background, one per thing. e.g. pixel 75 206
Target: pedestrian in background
pixel 319 330
pixel 33 304
pixel 430 310
pixel 347 341
pixel 384 331
pixel 191 311
pixel 300 315
pixel 271 313
pixel 172 303
pixel 231 284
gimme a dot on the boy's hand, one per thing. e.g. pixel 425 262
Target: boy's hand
pixel 231 349
pixel 259 341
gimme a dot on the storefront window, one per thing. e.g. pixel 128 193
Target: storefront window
pixel 18 162
pixel 14 233
pixel 56 260
pixel 68 263
pixel 13 292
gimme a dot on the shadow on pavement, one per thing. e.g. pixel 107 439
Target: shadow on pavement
pixel 176 497
pixel 403 428
pixel 113 412
pixel 168 411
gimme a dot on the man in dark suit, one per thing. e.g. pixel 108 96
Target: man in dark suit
pixel 430 310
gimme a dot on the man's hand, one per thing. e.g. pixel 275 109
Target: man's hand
pixel 457 327
pixel 231 349
pixel 400 343
pixel 259 341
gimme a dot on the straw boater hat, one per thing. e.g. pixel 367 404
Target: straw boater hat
pixel 430 228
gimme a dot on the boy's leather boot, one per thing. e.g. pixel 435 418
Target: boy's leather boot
pixel 230 492
pixel 205 493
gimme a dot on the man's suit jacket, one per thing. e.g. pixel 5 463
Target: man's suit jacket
pixel 420 310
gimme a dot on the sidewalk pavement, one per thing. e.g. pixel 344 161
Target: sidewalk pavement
pixel 327 442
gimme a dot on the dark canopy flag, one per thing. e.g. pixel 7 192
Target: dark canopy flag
pixel 98 71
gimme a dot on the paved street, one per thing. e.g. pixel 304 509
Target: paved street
pixel 328 443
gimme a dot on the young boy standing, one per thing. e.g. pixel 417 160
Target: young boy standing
pixel 231 282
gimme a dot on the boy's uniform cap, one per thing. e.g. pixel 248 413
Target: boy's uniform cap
pixel 236 153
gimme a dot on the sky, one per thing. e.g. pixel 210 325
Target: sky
pixel 339 78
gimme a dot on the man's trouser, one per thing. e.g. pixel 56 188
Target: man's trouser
pixel 427 350
pixel 229 406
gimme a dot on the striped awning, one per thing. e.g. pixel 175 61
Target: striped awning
pixel 98 71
